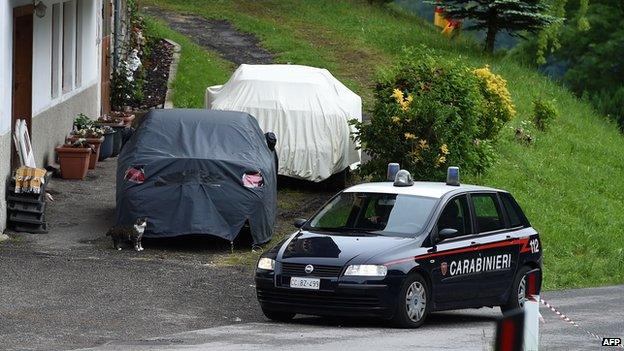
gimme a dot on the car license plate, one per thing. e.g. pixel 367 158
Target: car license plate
pixel 305 283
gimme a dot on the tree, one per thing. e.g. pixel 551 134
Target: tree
pixel 594 55
pixel 493 16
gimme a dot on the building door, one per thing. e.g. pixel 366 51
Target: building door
pixel 107 13
pixel 22 71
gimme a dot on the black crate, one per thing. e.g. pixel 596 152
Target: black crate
pixel 29 207
pixel 26 217
pixel 30 228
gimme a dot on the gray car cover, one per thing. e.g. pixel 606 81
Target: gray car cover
pixel 183 170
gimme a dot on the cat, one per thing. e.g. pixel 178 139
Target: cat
pixel 133 234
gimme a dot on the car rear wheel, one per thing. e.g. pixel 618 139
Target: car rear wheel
pixel 413 303
pixel 517 297
pixel 278 316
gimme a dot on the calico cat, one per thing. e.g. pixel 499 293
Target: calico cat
pixel 133 234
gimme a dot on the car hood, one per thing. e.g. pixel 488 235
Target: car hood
pixel 336 249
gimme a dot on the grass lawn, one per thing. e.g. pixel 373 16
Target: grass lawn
pixel 567 182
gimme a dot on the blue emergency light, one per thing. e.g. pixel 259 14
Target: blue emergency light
pixel 452 176
pixel 393 169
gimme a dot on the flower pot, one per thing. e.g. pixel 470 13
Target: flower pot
pixel 97 144
pixel 106 149
pixel 74 161
pixel 117 140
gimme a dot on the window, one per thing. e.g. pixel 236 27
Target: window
pixel 382 214
pixel 516 217
pixel 456 216
pixel 56 49
pixel 79 43
pixel 69 45
pixel 487 212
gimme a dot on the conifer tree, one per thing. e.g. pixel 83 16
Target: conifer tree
pixel 514 16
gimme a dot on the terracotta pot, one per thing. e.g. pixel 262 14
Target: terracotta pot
pixel 74 161
pixel 97 143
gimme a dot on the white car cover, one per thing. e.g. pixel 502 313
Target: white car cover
pixel 307 109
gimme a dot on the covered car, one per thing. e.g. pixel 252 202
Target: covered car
pixel 306 107
pixel 198 172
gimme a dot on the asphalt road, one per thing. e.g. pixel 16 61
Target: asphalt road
pixel 598 310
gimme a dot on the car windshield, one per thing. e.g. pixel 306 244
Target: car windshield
pixel 374 213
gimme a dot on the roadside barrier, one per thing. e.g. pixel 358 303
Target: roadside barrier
pixel 565 318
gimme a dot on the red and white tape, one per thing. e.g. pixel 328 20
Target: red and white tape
pixel 567 319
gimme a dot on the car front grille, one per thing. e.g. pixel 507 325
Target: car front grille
pixel 316 298
pixel 298 270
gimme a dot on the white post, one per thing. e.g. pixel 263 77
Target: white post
pixel 531 323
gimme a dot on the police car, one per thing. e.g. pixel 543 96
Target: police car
pixel 400 250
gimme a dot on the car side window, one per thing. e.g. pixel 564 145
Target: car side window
pixel 456 216
pixel 488 214
pixel 516 218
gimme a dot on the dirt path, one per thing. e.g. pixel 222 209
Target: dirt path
pixel 216 35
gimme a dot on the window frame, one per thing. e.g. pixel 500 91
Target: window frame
pixel 470 217
pixel 501 210
pixel 516 206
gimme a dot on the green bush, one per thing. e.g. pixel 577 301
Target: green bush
pixel 498 107
pixel 430 113
pixel 544 112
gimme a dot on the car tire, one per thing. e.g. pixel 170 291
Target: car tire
pixel 518 288
pixel 278 316
pixel 412 312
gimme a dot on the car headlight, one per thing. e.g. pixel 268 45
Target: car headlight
pixel 266 264
pixel 367 270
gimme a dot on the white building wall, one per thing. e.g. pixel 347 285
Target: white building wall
pixel 6 30
pixel 90 69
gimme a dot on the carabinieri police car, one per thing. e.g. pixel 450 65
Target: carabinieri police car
pixel 400 251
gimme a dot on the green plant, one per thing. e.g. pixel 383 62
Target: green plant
pixel 428 115
pixel 82 121
pixel 498 107
pixel 544 112
pixel 122 88
pixel 81 143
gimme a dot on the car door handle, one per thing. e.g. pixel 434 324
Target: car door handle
pixel 473 243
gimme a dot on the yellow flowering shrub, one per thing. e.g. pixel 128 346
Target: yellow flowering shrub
pixel 429 114
pixel 498 107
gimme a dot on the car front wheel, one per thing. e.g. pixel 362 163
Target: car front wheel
pixel 414 302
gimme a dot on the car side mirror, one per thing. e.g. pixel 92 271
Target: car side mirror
pixel 447 233
pixel 299 222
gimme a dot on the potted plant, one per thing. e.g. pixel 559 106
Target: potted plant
pixel 74 159
pixel 94 136
pixel 117 124
pixel 106 149
pixel 82 121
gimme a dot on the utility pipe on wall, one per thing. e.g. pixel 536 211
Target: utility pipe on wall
pixel 116 36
